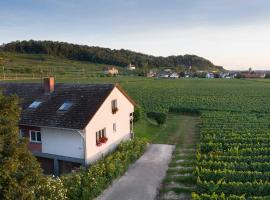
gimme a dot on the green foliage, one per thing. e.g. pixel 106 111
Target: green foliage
pixel 50 188
pixel 233 156
pixel 107 56
pixel 19 171
pixel 160 118
pixel 88 184
pixel 183 110
pixel 138 113
pixel 267 75
pixel 39 65
pixel 197 95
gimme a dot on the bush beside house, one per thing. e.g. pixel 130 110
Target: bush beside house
pixel 88 184
pixel 20 174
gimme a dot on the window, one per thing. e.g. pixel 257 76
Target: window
pixel 65 106
pixel 35 104
pixel 114 106
pixel 35 136
pixel 114 127
pixel 101 137
pixel 23 132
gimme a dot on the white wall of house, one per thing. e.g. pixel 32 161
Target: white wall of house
pixel 104 118
pixel 62 142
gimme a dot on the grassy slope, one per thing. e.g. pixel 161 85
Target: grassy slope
pixel 42 65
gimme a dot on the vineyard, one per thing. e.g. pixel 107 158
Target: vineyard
pixel 233 157
pixel 200 95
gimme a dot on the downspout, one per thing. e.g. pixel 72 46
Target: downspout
pixel 84 146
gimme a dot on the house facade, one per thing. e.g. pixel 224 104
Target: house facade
pixel 69 126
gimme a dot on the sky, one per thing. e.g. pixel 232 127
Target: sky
pixel 231 33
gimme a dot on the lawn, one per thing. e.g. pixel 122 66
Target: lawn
pixel 169 133
pixel 180 180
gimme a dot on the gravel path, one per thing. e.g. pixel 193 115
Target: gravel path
pixel 143 178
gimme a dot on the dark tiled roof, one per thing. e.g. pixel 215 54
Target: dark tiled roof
pixel 85 99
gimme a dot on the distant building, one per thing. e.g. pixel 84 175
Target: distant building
pixel 131 67
pixel 253 75
pixel 167 70
pixel 151 74
pixel 110 71
pixel 164 75
pixel 210 75
pixel 174 75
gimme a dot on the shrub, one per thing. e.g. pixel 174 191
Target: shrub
pixel 160 118
pixel 138 113
pixel 51 188
pixel 88 184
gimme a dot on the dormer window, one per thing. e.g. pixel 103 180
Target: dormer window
pixel 65 106
pixel 114 106
pixel 35 104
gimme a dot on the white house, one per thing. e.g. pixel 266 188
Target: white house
pixel 131 67
pixel 174 75
pixel 72 125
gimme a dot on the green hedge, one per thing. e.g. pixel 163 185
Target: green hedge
pixel 160 118
pixel 138 113
pixel 222 196
pixel 88 184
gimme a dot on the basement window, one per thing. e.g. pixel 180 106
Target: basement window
pixel 35 104
pixel 65 107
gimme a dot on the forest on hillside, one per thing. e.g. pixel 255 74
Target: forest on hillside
pixel 108 56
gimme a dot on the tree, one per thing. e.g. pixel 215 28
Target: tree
pixel 19 170
pixel 108 56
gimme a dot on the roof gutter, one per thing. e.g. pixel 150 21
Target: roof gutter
pixel 72 129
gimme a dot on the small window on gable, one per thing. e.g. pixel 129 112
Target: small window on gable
pixel 65 106
pixel 35 104
pixel 114 106
pixel 114 127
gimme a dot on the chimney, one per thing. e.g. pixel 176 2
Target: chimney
pixel 48 84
